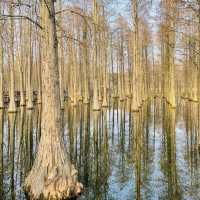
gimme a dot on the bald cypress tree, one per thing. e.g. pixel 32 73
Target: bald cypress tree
pixel 52 175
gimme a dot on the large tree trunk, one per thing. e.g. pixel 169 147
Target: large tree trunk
pixel 52 175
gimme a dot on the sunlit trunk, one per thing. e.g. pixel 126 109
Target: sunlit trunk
pixel 12 106
pixel 96 105
pixel 61 58
pixel 29 90
pixel 136 74
pixel 21 67
pixel 1 63
pixel 52 167
pixel 86 95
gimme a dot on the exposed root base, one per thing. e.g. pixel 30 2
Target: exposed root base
pixel 54 186
pixel 52 176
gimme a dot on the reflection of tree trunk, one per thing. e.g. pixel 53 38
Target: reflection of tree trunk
pixel 21 126
pixel 137 148
pixel 198 136
pixel 29 141
pixel 11 121
pixel 122 135
pixel 86 135
pixel 96 116
pixel 22 149
pixel 52 168
pixel 113 123
pixel 105 162
pixel 169 128
pixel 1 151
pixel 38 134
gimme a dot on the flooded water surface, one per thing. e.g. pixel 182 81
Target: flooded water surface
pixel 120 155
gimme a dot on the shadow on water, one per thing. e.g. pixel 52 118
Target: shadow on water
pixel 152 154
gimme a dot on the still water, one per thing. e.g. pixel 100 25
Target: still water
pixel 120 155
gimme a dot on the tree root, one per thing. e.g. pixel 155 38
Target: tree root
pixel 54 186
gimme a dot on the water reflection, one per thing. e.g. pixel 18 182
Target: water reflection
pixel 1 151
pixel 151 154
pixel 168 165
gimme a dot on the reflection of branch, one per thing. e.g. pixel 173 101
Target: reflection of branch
pixel 21 17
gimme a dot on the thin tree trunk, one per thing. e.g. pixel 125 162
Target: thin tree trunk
pixel 12 106
pixel 1 62
pixel 135 85
pixel 96 105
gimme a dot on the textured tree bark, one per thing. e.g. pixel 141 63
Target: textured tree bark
pixel 104 61
pixel 29 90
pixel 52 175
pixel 86 97
pixel 198 78
pixel 12 106
pixel 169 50
pixel 1 64
pixel 61 63
pixel 86 63
pixel 96 105
pixel 135 84
pixel 39 72
pixel 21 68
